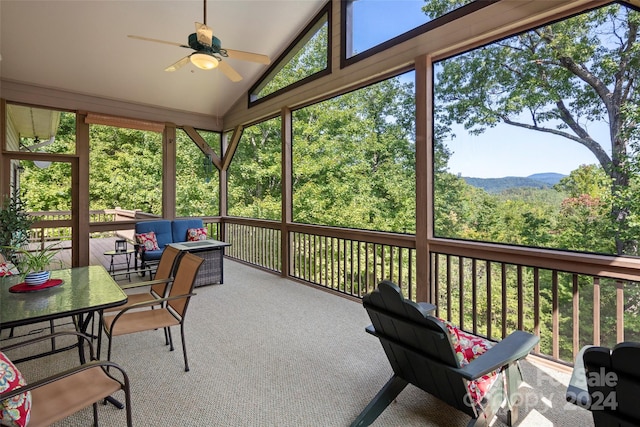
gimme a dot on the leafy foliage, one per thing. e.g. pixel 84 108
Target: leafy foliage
pixel 556 80
pixel 14 224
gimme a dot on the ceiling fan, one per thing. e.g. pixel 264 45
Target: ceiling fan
pixel 208 52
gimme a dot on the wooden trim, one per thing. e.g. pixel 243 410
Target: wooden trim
pixel 80 196
pixel 303 37
pixel 222 185
pixel 485 25
pixel 123 122
pixel 5 187
pixel 408 35
pixel 423 172
pixel 619 267
pixel 45 97
pixel 286 169
pixel 203 146
pixel 169 171
pixel 231 149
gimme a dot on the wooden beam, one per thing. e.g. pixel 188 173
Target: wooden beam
pixel 203 146
pixel 5 167
pixel 424 174
pixel 231 149
pixel 80 196
pixel 286 173
pixel 169 171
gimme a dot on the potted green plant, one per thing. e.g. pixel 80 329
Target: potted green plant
pixel 35 265
pixel 15 223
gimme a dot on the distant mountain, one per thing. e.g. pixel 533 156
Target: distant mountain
pixel 550 178
pixel 496 185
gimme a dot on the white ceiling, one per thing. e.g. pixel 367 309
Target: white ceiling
pixel 82 46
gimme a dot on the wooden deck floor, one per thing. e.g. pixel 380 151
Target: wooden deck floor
pixel 97 248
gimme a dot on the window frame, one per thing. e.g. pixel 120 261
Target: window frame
pixel 281 61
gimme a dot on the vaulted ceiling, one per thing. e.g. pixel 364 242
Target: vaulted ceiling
pixel 82 47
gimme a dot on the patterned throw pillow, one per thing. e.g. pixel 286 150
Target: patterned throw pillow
pixel 6 269
pixel 195 234
pixel 148 240
pixel 467 347
pixel 15 411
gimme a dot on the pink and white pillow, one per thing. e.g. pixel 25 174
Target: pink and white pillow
pixel 7 269
pixel 16 410
pixel 148 241
pixel 467 347
pixel 196 234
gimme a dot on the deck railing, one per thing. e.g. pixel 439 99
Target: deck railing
pixel 348 261
pixel 568 299
pixel 554 295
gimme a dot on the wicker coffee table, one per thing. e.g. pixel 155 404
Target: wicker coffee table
pixel 212 251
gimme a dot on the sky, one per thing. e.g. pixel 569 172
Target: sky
pixel 498 152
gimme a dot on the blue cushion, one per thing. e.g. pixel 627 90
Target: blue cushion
pixel 179 228
pixel 151 255
pixel 162 228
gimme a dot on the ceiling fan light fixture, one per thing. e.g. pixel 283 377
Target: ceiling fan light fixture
pixel 203 61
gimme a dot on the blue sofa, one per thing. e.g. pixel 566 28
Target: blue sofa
pixel 167 231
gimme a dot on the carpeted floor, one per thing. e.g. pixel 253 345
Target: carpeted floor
pixel 265 351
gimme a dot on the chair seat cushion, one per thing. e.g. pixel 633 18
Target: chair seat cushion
pixel 15 411
pixel 467 347
pixel 151 255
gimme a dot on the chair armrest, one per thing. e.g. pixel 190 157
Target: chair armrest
pixel 67 373
pixel 513 348
pixel 577 390
pixel 147 283
pixel 148 304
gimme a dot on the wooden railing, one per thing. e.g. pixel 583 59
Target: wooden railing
pixel 348 261
pixel 255 242
pixel 568 299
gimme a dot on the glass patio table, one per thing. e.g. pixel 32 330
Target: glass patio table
pixel 83 292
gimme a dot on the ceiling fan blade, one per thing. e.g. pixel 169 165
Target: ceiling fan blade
pixel 229 72
pixel 178 64
pixel 204 33
pixel 147 39
pixel 248 56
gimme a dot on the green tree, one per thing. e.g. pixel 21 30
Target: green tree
pixel 556 80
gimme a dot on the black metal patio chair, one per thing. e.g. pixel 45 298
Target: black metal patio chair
pixel 607 383
pixel 436 357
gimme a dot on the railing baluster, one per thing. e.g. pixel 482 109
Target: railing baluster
pixel 474 295
pixel 449 287
pixel 461 292
pixel 536 306
pixel 489 301
pixel 596 311
pixel 504 300
pixel 576 315
pixel 555 320
pixel 619 310
pixel 520 299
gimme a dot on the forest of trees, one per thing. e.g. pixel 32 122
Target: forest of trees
pixel 354 155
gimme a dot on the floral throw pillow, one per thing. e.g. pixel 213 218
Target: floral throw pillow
pixel 467 347
pixel 148 241
pixel 6 269
pixel 195 234
pixel 15 411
